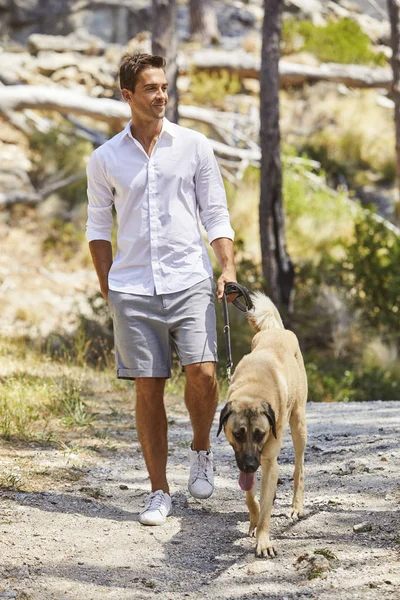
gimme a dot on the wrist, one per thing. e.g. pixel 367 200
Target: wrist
pixel 229 273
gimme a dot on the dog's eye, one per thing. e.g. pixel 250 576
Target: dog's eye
pixel 258 436
pixel 239 435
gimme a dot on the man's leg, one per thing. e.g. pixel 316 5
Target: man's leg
pixel 201 399
pixel 201 396
pixel 151 424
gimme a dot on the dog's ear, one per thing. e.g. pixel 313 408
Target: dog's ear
pixel 225 412
pixel 269 413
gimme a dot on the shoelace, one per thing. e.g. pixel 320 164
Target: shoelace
pixel 155 500
pixel 202 463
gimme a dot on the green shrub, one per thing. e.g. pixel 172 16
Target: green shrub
pixel 330 381
pixel 58 154
pixel 352 156
pixel 67 401
pixel 210 89
pixel 63 238
pixel 341 41
pixel 371 274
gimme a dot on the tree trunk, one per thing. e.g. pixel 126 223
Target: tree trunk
pixel 165 43
pixel 277 267
pixel 203 21
pixel 394 16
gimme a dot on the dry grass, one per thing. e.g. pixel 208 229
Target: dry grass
pixel 352 129
pixel 42 399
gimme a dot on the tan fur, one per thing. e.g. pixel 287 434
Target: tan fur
pixel 273 375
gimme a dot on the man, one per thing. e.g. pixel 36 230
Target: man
pixel 159 286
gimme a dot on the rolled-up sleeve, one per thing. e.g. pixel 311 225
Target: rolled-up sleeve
pixel 210 194
pixel 101 198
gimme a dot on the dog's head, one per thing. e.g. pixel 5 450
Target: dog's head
pixel 247 430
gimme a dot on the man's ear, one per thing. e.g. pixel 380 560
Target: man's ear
pixel 225 412
pixel 126 95
pixel 269 413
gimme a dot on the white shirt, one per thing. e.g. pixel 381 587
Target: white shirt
pixel 157 201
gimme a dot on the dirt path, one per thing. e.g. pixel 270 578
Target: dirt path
pixel 77 537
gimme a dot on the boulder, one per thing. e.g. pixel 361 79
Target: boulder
pixel 79 41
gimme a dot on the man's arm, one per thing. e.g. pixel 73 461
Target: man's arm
pixel 213 210
pixel 101 252
pixel 223 248
pixel 100 221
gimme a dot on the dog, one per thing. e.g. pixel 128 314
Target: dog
pixel 268 390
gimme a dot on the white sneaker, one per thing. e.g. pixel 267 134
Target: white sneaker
pixel 201 478
pixel 157 509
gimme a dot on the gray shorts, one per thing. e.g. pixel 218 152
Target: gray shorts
pixel 147 328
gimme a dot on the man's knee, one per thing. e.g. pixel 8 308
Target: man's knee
pixel 150 387
pixel 202 375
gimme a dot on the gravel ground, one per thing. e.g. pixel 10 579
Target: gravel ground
pixel 81 540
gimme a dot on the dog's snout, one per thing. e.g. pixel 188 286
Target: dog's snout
pixel 249 463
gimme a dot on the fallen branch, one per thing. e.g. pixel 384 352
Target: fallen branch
pixel 291 74
pixel 33 198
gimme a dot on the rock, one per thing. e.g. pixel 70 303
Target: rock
pixel 234 21
pixel 79 41
pixel 362 527
pixel 48 62
pixel 306 9
pixel 258 567
pixel 346 469
pixel 313 565
pixel 123 487
pixel 105 20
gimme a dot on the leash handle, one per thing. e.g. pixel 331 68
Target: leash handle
pixel 233 288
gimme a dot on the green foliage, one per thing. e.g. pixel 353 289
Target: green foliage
pixel 371 274
pixel 311 207
pixel 90 344
pixel 343 254
pixel 349 249
pixel 26 399
pixel 66 401
pixel 351 156
pixel 315 574
pixel 17 410
pixel 63 238
pixel 336 381
pixel 328 554
pixel 341 41
pixel 56 154
pixel 210 89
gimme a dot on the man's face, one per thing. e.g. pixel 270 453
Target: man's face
pixel 150 97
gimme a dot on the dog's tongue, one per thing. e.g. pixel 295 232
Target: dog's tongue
pixel 246 481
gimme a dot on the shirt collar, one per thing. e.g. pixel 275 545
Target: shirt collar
pixel 167 127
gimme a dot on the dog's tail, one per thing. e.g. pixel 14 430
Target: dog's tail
pixel 264 314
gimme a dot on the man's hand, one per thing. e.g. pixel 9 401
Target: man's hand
pixel 223 248
pixel 227 276
pixel 104 293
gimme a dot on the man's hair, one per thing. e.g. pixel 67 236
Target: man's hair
pixel 133 64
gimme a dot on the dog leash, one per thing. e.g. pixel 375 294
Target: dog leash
pixel 245 305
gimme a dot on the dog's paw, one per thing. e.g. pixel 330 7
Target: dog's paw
pixel 265 549
pixel 295 514
pixel 252 530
